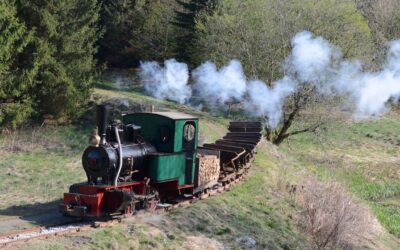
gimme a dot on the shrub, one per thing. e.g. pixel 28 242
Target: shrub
pixel 332 218
pixel 14 114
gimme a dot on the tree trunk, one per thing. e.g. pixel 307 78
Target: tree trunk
pixel 300 99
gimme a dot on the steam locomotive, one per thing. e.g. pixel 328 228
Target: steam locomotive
pixel 153 158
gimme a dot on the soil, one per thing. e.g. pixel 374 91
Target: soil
pixel 14 223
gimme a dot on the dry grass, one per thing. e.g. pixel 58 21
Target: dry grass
pixel 363 156
pixel 332 218
pixel 39 163
pixel 41 139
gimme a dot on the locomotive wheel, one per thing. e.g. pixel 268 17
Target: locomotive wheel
pixel 151 204
pixel 129 210
pixel 151 199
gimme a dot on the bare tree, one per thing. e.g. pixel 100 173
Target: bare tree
pixel 383 16
pixel 294 106
pixel 259 33
pixel 384 20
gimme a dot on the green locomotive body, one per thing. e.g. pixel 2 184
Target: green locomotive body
pixel 175 137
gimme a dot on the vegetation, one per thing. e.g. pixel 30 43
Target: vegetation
pixel 50 52
pixel 332 218
pixel 15 104
pixel 51 49
pixel 268 207
pixel 117 21
pixel 192 11
pixel 362 156
pixel 51 66
pixel 383 19
pixel 260 35
pixel 155 36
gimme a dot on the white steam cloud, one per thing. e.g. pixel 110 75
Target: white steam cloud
pixel 316 61
pixel 313 61
pixel 310 57
pixel 265 101
pixel 168 82
pixel 220 86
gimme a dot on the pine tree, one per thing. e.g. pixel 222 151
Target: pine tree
pixel 186 19
pixel 138 30
pixel 60 58
pixel 155 36
pixel 15 105
pixel 117 19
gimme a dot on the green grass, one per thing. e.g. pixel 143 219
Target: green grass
pixel 372 190
pixel 210 132
pixel 38 168
pixel 121 237
pixel 249 209
pixel 364 156
pixel 124 236
pixel 388 215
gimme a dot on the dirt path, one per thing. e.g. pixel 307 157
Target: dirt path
pixel 15 223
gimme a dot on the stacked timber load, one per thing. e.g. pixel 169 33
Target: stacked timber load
pixel 208 167
pixel 246 127
pixel 237 148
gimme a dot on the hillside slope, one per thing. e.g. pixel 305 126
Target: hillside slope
pixel 261 212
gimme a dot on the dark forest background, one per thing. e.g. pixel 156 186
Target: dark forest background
pixel 50 50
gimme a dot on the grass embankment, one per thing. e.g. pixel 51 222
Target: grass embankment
pixel 365 156
pixel 250 209
pixel 37 165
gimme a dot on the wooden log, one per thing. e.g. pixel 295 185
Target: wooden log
pixel 209 166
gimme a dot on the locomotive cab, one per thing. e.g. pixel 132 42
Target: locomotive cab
pixel 175 137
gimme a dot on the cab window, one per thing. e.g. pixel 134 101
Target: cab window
pixel 165 134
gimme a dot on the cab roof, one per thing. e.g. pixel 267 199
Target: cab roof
pixel 170 115
pixel 175 115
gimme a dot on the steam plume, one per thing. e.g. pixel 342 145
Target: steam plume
pixel 265 101
pixel 220 86
pixel 316 61
pixel 313 61
pixel 310 57
pixel 168 82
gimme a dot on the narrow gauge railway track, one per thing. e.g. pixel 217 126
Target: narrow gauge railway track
pixel 22 236
pixel 236 151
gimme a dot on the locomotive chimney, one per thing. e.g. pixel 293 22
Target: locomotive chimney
pixel 102 119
